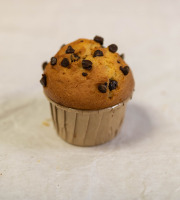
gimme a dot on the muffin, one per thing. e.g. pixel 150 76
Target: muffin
pixel 86 82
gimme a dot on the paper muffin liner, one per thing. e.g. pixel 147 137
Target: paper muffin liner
pixel 87 127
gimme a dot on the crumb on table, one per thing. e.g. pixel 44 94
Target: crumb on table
pixel 45 123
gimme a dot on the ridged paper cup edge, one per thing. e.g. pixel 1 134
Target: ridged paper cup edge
pixel 87 127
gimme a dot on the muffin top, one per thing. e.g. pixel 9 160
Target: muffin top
pixel 85 75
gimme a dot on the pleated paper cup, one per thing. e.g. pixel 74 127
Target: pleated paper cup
pixel 87 127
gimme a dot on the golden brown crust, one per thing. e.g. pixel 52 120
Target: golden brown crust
pixel 67 86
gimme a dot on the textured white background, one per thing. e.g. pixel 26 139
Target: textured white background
pixel 143 162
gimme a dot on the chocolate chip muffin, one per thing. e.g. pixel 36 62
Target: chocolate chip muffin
pixel 85 75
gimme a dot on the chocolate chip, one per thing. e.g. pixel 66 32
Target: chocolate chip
pixel 62 45
pixel 44 65
pixel 112 84
pixel 74 57
pixel 70 49
pixel 98 53
pixel 53 61
pixel 102 87
pixel 125 70
pixel 82 41
pixel 43 80
pixel 84 74
pixel 87 64
pixel 118 61
pixel 98 39
pixel 122 56
pixel 113 48
pixel 65 62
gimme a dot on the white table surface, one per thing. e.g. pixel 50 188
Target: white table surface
pixel 143 161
